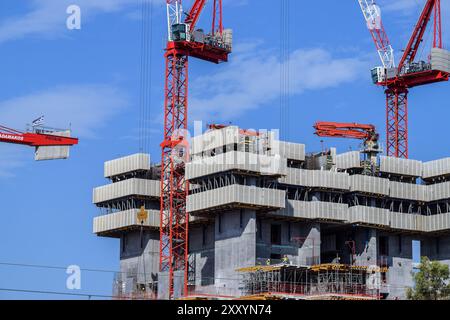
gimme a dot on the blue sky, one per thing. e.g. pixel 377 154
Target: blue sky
pixel 89 78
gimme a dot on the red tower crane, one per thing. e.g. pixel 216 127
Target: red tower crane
pixel 40 137
pixel 184 41
pixel 408 74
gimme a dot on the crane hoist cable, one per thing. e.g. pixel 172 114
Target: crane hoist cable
pixel 145 73
pixel 284 67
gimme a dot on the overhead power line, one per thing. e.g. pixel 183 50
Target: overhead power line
pixel 86 295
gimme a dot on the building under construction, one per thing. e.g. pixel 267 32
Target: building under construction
pixel 268 219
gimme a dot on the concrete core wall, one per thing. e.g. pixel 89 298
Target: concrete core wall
pixel 139 257
pixel 201 255
pixel 234 248
pixel 300 241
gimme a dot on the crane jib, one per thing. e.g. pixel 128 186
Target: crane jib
pixel 11 137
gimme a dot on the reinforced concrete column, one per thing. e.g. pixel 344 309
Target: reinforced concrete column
pixel 366 247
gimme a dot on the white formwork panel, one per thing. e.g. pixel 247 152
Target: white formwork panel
pixel 404 167
pixel 259 164
pixel 436 168
pixel 403 221
pixel 296 177
pixel 368 184
pixel 289 150
pixel 369 215
pixel 328 180
pixel 139 161
pixel 247 195
pixel 332 211
pixel 124 219
pixel 317 178
pixel 348 160
pixel 409 191
pixel 439 191
pixel 215 139
pixel 422 224
pixel 314 210
pixel 297 209
pixel 439 222
pixel 125 188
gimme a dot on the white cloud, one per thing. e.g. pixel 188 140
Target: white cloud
pixel 11 158
pixel 409 9
pixel 48 17
pixel 404 6
pixel 86 107
pixel 251 80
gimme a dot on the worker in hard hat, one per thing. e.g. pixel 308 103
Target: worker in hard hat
pixel 268 263
pixel 285 259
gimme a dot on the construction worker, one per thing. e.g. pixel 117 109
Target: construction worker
pixel 285 259
pixel 268 263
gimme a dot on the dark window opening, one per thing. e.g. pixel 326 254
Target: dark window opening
pixel 275 234
pixel 204 235
pixel 289 231
pixel 220 222
pixel 260 229
pixel 124 243
pixel 241 218
pixel 384 246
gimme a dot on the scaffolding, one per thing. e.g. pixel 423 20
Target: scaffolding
pixel 325 281
pixel 126 287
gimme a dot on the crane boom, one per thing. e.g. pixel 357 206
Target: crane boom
pixel 346 130
pixel 50 144
pixel 418 32
pixel 365 132
pixel 34 139
pixel 372 15
pixel 194 13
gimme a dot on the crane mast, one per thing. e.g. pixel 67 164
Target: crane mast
pixel 183 42
pixel 398 80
